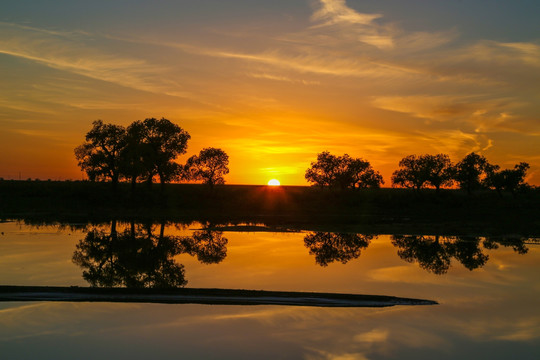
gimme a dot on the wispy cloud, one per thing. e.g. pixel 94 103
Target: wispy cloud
pixel 503 53
pixel 273 77
pixel 337 11
pixel 342 78
pixel 337 15
pixel 71 51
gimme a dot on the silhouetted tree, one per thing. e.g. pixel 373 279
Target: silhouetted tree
pixel 326 170
pixel 509 180
pixel 161 142
pixel 471 172
pixel 440 170
pixel 362 175
pixel 494 179
pixel 419 171
pixel 100 155
pixel 342 172
pixel 411 174
pixel 133 258
pixel 136 156
pixel 209 166
pixel 329 247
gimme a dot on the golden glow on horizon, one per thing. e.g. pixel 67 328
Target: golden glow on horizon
pixel 274 182
pixel 339 78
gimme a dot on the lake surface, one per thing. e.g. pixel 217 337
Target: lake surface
pixel 488 291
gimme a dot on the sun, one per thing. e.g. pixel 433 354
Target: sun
pixel 273 182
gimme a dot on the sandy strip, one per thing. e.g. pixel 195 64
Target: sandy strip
pixel 201 296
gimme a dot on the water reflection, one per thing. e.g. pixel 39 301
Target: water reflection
pixel 492 311
pixel 140 255
pixel 434 253
pixel 133 258
pixel 209 246
pixel 516 243
pixel 329 247
pixel 143 256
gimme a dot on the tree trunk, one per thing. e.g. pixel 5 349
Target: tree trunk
pixel 114 181
pixel 133 184
pixel 161 185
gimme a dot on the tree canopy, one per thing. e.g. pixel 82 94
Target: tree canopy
pixel 209 166
pixel 509 179
pixel 342 172
pixel 160 143
pixel 100 155
pixel 471 172
pixel 146 149
pixel 424 170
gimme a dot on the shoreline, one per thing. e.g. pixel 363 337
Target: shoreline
pixel 201 296
pixel 385 210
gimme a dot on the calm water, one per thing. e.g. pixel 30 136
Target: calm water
pixel 488 290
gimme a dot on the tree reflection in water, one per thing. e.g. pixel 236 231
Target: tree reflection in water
pixel 434 253
pixel 209 246
pixel 516 243
pixel 329 247
pixel 137 258
pixel 141 255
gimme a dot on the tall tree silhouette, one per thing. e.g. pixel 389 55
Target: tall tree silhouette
pixel 160 143
pixel 419 171
pixel 342 172
pixel 361 174
pixel 327 170
pixel 136 156
pixel 440 170
pixel 509 179
pixel 329 247
pixel 100 155
pixel 209 166
pixel 471 172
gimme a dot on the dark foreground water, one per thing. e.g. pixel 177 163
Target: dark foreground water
pixel 488 290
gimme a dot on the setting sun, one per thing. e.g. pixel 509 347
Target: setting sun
pixel 274 182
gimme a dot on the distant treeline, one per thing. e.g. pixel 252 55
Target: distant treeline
pixel 473 172
pixel 147 149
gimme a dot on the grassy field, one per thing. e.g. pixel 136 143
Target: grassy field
pixel 371 210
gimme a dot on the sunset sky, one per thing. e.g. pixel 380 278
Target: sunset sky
pixel 273 83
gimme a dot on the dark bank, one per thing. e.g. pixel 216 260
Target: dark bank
pixel 448 211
